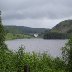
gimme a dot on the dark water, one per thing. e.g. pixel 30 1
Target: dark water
pixel 52 47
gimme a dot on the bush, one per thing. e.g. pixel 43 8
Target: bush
pixel 67 55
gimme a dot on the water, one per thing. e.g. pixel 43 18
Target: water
pixel 52 47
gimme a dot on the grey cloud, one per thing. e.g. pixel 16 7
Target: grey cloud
pixel 21 9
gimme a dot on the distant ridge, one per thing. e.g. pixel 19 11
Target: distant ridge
pixel 22 29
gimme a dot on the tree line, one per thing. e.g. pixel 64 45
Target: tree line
pixel 56 35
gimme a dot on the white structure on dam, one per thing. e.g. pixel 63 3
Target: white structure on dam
pixel 35 35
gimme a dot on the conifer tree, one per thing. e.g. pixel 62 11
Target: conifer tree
pixel 2 34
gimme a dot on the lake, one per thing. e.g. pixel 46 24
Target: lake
pixel 52 47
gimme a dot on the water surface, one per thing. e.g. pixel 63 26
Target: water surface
pixel 52 47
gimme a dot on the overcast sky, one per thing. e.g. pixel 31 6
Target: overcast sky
pixel 35 13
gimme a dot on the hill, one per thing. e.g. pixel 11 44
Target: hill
pixel 23 30
pixel 63 27
pixel 63 30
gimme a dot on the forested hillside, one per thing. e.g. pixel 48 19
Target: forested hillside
pixel 63 30
pixel 63 27
pixel 22 29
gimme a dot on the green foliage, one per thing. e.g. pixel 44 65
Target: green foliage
pixel 63 27
pixel 67 55
pixel 55 35
pixel 69 31
pixel 63 30
pixel 10 36
pixel 2 35
pixel 15 62
pixel 1 32
pixel 23 30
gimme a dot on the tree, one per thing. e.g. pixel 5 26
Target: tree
pixel 67 55
pixel 2 34
pixel 3 49
pixel 55 35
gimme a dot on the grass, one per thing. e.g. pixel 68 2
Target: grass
pixel 10 36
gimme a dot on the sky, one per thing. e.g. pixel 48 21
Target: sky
pixel 35 13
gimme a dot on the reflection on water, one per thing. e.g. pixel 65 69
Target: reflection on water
pixel 53 47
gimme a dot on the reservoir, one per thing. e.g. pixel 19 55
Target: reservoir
pixel 52 47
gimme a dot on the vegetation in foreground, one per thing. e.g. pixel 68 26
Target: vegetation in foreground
pixel 13 62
